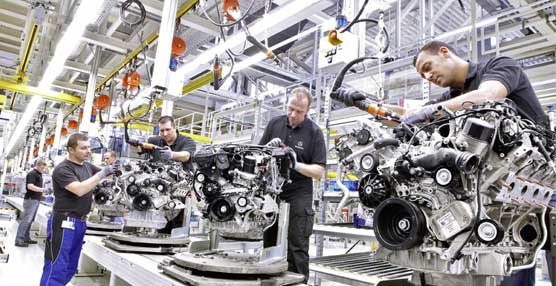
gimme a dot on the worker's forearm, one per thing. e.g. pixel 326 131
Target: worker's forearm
pixel 182 156
pixel 310 170
pixel 468 99
pixel 34 188
pixel 86 186
pixel 135 149
pixel 395 108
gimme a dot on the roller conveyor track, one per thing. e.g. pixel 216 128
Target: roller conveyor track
pixel 358 269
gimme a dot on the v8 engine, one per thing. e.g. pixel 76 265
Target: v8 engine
pixel 465 194
pixel 238 185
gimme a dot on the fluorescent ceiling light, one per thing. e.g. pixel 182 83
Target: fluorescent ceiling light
pixel 268 21
pixel 480 24
pixel 87 12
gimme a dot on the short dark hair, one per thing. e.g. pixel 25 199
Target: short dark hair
pixel 112 154
pixel 74 138
pixel 40 162
pixel 433 47
pixel 165 119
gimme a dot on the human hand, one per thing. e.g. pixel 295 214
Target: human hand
pixel 419 115
pixel 275 142
pixel 166 153
pixel 293 158
pixel 348 96
pixel 110 169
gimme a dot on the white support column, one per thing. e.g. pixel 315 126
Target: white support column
pixel 164 46
pixel 19 159
pixel 31 149
pixel 167 108
pixel 41 142
pixel 24 159
pixel 58 130
pixel 91 86
pixel 3 178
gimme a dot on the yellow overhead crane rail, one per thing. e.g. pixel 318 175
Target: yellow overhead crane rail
pixel 46 94
pixel 2 101
pixel 21 74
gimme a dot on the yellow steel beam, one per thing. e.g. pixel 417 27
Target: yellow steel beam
pixel 47 94
pixel 150 39
pixel 197 83
pixel 150 128
pixel 3 99
pixel 21 76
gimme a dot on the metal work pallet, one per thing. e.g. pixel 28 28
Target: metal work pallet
pixel 358 269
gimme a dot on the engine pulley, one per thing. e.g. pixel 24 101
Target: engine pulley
pixel 372 190
pixel 221 209
pixel 399 224
pixel 489 231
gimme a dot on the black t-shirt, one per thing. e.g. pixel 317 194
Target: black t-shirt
pixel 65 201
pixel 182 143
pixel 308 142
pixel 34 177
pixel 508 72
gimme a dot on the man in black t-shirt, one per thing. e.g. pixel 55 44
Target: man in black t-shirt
pixel 176 147
pixel 72 180
pixel 306 145
pixel 31 201
pixel 469 83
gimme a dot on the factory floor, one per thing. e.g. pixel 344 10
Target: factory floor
pixel 25 263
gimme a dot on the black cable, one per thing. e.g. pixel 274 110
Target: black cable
pixel 384 31
pixel 126 5
pixel 356 17
pixel 230 24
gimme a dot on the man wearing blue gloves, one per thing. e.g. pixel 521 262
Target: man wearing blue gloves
pixel 72 180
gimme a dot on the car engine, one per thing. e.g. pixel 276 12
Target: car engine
pixel 465 194
pixel 237 186
pixel 158 188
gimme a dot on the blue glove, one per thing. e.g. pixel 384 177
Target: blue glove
pixel 347 96
pixel 107 171
pixel 423 114
pixel 166 154
pixel 275 142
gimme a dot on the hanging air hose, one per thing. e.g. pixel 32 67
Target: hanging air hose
pixel 365 105
pixel 356 17
pixel 126 5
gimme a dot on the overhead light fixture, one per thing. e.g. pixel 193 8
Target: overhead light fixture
pixel 268 21
pixel 87 12
pixel 467 28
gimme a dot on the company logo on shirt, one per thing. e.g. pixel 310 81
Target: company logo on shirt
pixel 299 145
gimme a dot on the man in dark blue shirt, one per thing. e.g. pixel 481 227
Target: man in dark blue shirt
pixel 31 201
